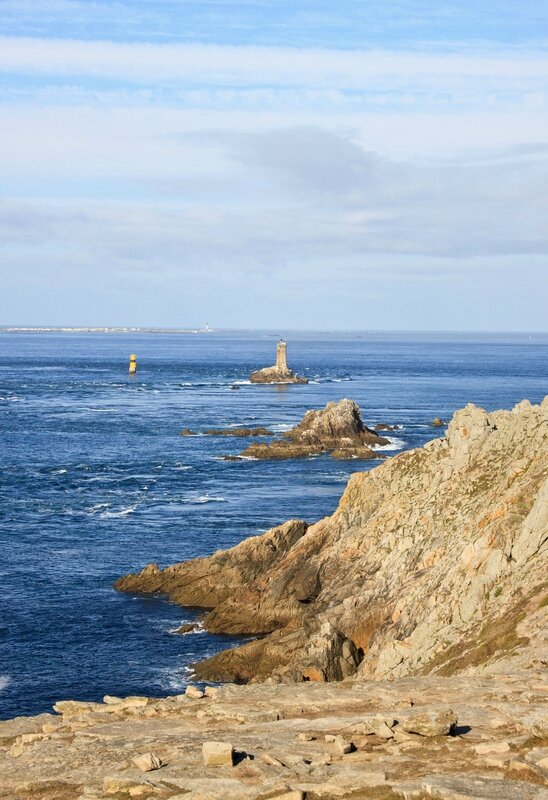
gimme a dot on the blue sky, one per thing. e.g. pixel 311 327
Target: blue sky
pixel 272 164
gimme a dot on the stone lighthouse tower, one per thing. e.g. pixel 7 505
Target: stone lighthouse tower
pixel 281 356
pixel 280 372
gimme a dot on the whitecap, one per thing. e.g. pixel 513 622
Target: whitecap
pixel 205 498
pixel 241 383
pixel 198 629
pixel 5 680
pixel 122 513
pixel 176 679
pixel 394 444
pixel 59 471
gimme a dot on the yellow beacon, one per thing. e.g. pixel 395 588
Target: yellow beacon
pixel 132 364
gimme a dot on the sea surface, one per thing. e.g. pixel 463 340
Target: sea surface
pixel 96 480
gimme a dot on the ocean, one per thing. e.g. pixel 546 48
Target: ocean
pixel 96 480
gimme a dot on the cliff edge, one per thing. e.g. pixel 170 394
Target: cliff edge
pixel 434 562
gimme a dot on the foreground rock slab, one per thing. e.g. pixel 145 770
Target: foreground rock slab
pixel 307 741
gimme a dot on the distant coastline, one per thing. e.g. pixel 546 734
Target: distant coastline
pixel 96 329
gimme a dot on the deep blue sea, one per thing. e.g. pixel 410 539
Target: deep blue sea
pixel 96 481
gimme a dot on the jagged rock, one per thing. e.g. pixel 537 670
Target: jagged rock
pixel 437 422
pixel 218 754
pixel 338 429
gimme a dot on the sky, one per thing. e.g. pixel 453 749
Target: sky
pixel 358 165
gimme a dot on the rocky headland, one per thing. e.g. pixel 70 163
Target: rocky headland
pixel 434 561
pixel 401 653
pixel 337 429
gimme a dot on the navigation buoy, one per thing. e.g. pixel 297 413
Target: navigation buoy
pixel 132 364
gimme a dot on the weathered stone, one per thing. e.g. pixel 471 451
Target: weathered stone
pixel 148 762
pixel 194 692
pixel 492 747
pixel 430 723
pixel 342 746
pixel 218 754
pixel 476 787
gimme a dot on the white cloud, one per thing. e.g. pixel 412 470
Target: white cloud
pixel 251 65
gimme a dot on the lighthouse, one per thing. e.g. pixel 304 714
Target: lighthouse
pixel 281 356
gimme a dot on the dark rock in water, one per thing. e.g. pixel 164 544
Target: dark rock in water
pixel 241 432
pixel 234 386
pixel 238 432
pixel 437 422
pixel 188 627
pixel 383 426
pixel 337 429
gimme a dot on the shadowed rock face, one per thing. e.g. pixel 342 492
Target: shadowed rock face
pixel 435 561
pixel 338 429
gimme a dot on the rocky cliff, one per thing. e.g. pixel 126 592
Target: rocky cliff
pixel 434 562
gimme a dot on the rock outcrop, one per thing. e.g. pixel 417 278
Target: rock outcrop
pixel 276 375
pixel 337 429
pixel 434 562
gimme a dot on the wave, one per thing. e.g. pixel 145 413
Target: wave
pixel 175 679
pixel 395 444
pixel 5 680
pixel 122 513
pixel 198 629
pixel 59 471
pixel 205 498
